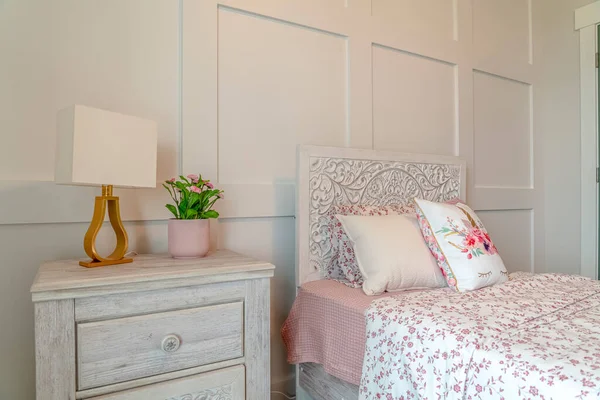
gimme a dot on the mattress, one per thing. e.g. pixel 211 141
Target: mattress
pixel 327 326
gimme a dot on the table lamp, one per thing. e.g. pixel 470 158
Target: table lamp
pixel 102 148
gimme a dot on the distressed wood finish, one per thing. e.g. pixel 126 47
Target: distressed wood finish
pixel 118 387
pixel 331 176
pixel 320 385
pixel 124 349
pixel 103 329
pixel 126 304
pixel 145 286
pixel 66 279
pixel 55 350
pixel 225 384
pixel 257 339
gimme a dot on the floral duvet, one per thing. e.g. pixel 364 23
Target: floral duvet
pixel 533 337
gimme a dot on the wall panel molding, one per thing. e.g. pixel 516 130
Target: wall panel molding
pixel 226 141
pixel 515 245
pixel 47 203
pixel 402 120
pixel 503 132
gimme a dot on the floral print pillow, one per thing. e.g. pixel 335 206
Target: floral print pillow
pixel 343 266
pixel 462 247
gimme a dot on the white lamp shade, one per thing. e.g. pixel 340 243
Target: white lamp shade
pixel 98 147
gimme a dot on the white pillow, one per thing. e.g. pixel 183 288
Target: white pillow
pixel 391 254
pixel 461 245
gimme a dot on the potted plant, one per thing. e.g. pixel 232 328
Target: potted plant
pixel 189 232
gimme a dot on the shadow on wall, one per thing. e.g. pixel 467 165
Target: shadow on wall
pixel 283 289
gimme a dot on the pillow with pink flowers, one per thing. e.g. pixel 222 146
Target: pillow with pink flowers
pixel 461 245
pixel 342 265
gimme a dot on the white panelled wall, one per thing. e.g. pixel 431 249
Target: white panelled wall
pixel 235 85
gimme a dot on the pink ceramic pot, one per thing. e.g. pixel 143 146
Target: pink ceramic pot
pixel 189 238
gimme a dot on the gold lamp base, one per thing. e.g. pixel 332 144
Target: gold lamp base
pixel 89 241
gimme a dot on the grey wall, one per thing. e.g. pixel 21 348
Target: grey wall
pixel 560 123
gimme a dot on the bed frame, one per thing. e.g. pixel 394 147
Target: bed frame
pixel 331 176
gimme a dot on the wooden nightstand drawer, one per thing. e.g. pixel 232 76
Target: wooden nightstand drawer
pixel 100 332
pixel 129 348
pixel 222 384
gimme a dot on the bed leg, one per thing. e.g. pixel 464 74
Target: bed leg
pixel 301 394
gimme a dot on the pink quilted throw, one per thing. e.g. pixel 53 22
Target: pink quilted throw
pixel 534 337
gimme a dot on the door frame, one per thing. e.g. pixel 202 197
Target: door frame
pixel 586 20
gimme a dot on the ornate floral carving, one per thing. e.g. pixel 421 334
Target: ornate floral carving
pixel 335 182
pixel 221 393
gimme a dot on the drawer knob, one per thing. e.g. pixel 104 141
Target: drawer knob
pixel 170 343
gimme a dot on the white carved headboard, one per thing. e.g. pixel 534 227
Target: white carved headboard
pixel 332 176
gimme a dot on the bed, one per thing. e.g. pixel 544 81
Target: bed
pixel 328 177
pixel 508 341
pixel 325 333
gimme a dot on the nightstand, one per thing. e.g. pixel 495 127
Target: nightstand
pixel 156 329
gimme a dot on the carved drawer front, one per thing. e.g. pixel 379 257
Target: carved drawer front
pixel 224 384
pixel 129 348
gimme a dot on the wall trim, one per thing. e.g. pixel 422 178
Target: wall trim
pixel 49 203
pixel 587 15
pixel 586 19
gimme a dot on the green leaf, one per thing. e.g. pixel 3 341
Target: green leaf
pixel 183 206
pixel 193 199
pixel 209 214
pixel 191 214
pixel 182 186
pixel 172 208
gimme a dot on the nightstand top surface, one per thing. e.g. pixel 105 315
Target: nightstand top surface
pixel 66 279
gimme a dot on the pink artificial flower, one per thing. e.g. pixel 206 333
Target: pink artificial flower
pixel 196 189
pixel 193 178
pixel 171 180
pixel 451 282
pixel 469 256
pixel 209 185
